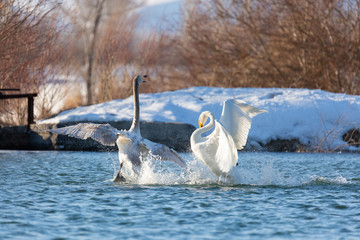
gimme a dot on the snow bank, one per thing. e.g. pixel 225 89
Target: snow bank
pixel 314 117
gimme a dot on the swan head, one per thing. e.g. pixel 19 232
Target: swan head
pixel 204 116
pixel 140 78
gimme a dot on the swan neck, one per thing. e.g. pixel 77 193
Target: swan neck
pixel 208 126
pixel 135 126
pixel 211 123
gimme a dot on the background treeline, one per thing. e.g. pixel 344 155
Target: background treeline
pixel 87 52
pixel 274 43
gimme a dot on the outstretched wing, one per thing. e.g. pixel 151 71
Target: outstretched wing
pixel 103 133
pixel 236 118
pixel 164 153
pixel 226 155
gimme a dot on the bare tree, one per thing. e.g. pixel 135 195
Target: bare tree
pixel 114 55
pixel 28 38
pixel 90 18
pixel 86 16
pixel 271 43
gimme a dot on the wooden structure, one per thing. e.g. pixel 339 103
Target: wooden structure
pixel 29 96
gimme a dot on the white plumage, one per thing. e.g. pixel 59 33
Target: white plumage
pixel 218 150
pixel 133 148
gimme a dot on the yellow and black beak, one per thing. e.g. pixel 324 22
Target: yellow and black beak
pixel 200 124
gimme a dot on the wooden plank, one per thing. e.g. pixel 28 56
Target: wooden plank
pixel 10 89
pixel 30 97
pixel 30 111
pixel 21 95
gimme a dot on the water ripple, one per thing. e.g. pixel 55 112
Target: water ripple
pixel 67 195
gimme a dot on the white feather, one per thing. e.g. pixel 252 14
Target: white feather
pixel 218 150
pixel 236 118
pixel 132 146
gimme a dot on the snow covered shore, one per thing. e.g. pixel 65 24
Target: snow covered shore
pixel 314 118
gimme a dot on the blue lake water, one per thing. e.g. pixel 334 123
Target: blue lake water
pixel 68 195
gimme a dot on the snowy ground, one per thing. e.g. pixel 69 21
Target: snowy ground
pixel 317 118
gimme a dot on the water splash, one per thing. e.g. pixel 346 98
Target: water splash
pixel 319 180
pixel 155 172
pixel 261 173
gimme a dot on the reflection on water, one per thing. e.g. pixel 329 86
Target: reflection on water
pixel 49 195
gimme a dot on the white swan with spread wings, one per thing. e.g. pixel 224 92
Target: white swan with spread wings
pixel 133 148
pixel 218 150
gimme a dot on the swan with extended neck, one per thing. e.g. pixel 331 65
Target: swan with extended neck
pixel 218 150
pixel 133 148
